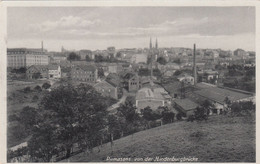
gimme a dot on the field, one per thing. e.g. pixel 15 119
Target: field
pixel 220 139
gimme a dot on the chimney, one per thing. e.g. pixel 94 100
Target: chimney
pixel 42 46
pixel 194 65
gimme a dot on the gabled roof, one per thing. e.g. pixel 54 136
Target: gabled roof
pixel 147 93
pixel 128 76
pixel 87 67
pixel 113 79
pixel 218 94
pixel 186 104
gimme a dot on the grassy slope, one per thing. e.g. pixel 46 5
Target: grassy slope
pixel 220 139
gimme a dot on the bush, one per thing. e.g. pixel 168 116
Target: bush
pixel 35 98
pixel 38 88
pixel 168 117
pixel 200 114
pixel 46 86
pixel 27 89
pixel 179 116
pixel 242 108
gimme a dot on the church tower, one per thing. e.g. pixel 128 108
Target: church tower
pixel 151 46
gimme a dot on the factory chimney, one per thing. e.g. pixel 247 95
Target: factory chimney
pixel 42 46
pixel 194 65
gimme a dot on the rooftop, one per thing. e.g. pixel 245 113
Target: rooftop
pixel 147 93
pixel 186 104
pixel 218 94
pixel 87 67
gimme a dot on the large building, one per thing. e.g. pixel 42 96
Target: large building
pixel 107 89
pixel 24 57
pixel 149 97
pixel 43 71
pixel 84 73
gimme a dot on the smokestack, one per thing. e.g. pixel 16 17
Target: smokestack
pixel 152 66
pixel 42 46
pixel 194 65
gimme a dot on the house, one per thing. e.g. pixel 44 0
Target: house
pixel 187 79
pixel 131 82
pixel 114 78
pixel 208 76
pixel 54 71
pixel 139 58
pixel 58 57
pixel 107 89
pixel 185 106
pixel 84 73
pixel 84 53
pixel 147 97
pixel 168 73
pixel 37 71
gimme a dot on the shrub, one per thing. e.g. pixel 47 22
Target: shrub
pixel 27 89
pixel 38 88
pixel 168 117
pixel 46 86
pixel 200 114
pixel 35 98
pixel 179 116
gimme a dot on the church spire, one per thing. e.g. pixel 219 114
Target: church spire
pixel 151 46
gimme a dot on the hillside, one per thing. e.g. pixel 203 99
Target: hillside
pixel 220 139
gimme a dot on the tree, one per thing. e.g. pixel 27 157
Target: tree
pixel 227 102
pixel 27 89
pixel 132 119
pixel 43 144
pixel 101 72
pixel 73 56
pixel 38 88
pixel 88 58
pixel 161 60
pixel 200 114
pixel 76 115
pixel 149 115
pixel 29 117
pixel 207 105
pixel 242 108
pixel 46 85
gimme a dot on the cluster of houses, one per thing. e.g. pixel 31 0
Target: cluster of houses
pixel 110 78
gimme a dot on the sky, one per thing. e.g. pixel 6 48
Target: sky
pixel 94 28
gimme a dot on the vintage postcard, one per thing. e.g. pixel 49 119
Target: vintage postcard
pixel 128 81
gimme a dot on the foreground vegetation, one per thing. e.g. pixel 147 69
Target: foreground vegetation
pixel 221 138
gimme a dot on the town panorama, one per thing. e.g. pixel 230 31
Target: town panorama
pixel 152 104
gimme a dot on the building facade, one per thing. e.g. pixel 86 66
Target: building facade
pixel 23 57
pixel 84 73
pixel 107 89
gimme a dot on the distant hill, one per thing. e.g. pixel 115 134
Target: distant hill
pixel 220 139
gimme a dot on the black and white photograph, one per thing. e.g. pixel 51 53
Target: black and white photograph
pixel 99 83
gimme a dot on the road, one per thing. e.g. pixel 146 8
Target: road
pixel 121 101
